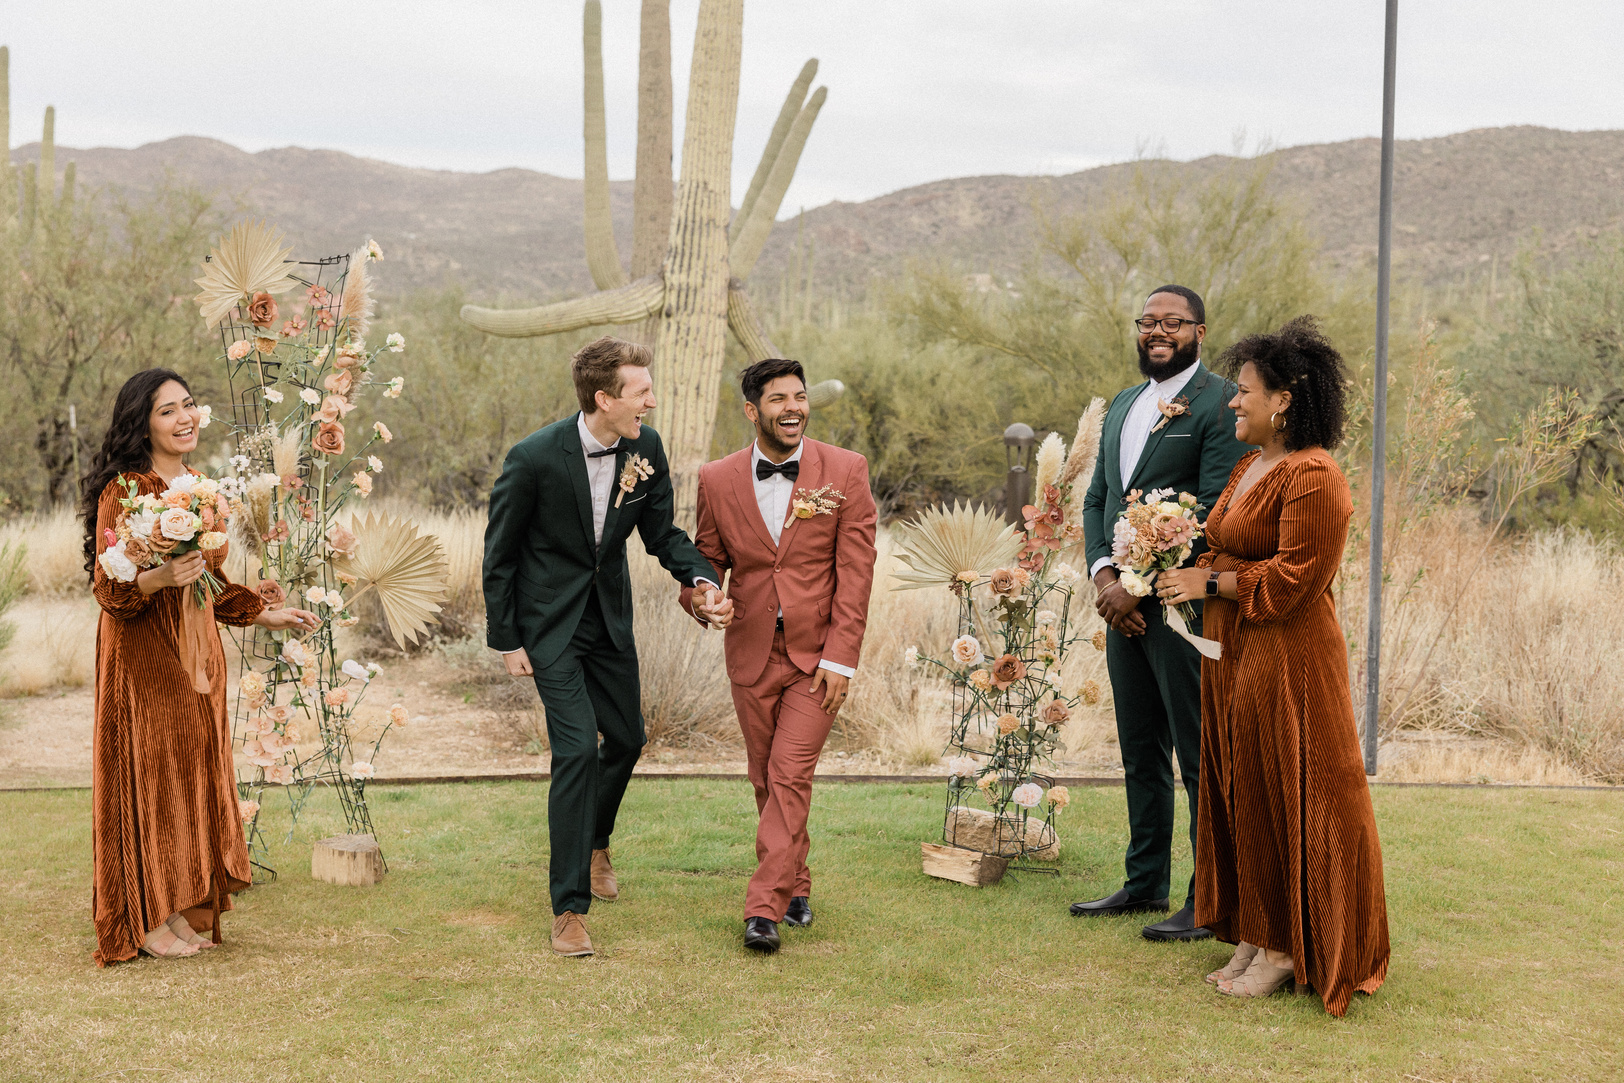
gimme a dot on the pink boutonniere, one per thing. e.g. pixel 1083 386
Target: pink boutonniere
pixel 1177 408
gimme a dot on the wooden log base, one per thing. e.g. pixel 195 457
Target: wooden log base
pixel 962 866
pixel 347 860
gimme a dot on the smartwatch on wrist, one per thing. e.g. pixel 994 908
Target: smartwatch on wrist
pixel 1212 585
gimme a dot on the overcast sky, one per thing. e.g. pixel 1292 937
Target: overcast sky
pixel 918 89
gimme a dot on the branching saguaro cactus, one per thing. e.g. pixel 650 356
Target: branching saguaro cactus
pixel 38 199
pixel 686 288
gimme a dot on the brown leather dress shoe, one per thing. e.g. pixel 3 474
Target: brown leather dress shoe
pixel 604 885
pixel 569 935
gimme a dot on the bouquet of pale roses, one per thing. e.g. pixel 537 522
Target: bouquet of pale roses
pixel 1158 532
pixel 191 515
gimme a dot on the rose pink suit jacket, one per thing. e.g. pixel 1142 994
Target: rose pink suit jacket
pixel 820 572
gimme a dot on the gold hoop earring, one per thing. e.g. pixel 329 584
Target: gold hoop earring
pixel 1275 423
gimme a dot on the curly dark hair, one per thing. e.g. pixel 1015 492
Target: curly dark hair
pixel 125 447
pixel 1300 359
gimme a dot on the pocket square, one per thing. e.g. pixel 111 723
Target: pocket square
pixel 1178 436
pixel 635 499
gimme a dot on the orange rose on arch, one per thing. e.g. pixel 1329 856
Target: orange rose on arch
pixel 271 593
pixel 329 438
pixel 1007 670
pixel 262 310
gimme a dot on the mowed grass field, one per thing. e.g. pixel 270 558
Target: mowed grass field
pixel 1505 905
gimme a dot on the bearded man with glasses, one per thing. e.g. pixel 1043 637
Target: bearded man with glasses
pixel 1170 432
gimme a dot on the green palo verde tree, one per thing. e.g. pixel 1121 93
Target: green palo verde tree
pixel 689 263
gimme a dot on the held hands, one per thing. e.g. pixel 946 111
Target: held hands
pixel 1176 586
pixel 180 571
pixel 715 608
pixel 835 687
pixel 277 620
pixel 1115 605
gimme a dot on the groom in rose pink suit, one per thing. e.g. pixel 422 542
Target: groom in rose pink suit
pixel 793 519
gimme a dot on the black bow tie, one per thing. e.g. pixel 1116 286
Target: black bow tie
pixel 605 451
pixel 790 469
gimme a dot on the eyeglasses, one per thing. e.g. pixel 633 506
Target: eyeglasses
pixel 1170 324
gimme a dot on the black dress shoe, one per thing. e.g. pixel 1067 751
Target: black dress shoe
pixel 1120 903
pixel 761 934
pixel 799 913
pixel 1181 926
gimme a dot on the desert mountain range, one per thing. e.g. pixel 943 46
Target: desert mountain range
pixel 1463 203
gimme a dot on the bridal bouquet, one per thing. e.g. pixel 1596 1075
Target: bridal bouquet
pixel 1158 532
pixel 190 516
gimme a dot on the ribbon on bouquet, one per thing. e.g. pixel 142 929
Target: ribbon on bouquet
pixel 1209 648
pixel 196 626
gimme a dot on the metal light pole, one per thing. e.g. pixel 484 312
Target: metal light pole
pixel 1378 466
pixel 1018 441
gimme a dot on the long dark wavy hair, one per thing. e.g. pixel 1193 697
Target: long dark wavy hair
pixel 126 448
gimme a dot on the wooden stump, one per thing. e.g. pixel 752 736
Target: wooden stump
pixel 347 860
pixel 962 866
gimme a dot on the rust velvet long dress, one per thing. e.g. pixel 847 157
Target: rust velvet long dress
pixel 1287 855
pixel 166 830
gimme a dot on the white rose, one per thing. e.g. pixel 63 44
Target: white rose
pixel 186 483
pixel 117 565
pixel 1027 795
pixel 967 651
pixel 178 524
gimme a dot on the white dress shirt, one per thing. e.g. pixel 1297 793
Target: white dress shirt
pixel 600 476
pixel 773 495
pixel 1142 417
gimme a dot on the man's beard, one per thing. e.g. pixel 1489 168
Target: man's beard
pixel 767 433
pixel 1183 357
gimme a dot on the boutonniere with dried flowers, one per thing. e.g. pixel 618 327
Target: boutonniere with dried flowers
pixel 636 469
pixel 824 501
pixel 1177 408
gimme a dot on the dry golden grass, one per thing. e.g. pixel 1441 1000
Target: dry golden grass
pixel 1494 652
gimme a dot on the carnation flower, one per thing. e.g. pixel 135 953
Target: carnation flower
pixel 1134 583
pixel 373 669
pixel 395 387
pixel 1059 797
pixel 265 344
pixel 910 657
pixel 117 565
pixel 307 679
pixel 373 251
pixel 987 781
pixel 336 697
pixel 1008 723
pixel 339 383
pixel 363 482
pixel 383 431
pixel 310 395
pixel 395 342
pixel 205 414
pixel 1027 795
pixel 297 654
pixel 247 810
pixel 1089 693
pixel 315 595
pixel 361 769
pixel 967 651
pixel 280 775
pixel 252 684
pixel 397 715
pixel 1007 670
pixel 355 670
pixel 375 464
pixel 347 622
pixel 271 394
pixel 211 541
pixel 334 600
pixel 962 766
pixel 1067 575
pixel 1098 639
pixel 1047 617
pixel 981 680
pixel 238 350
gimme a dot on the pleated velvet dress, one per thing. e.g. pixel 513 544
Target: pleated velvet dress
pixel 166 830
pixel 1287 855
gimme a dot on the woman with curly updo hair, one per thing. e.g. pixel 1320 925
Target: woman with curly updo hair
pixel 165 826
pixel 1288 865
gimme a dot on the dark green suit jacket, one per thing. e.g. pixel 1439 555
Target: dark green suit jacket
pixel 540 561
pixel 1192 453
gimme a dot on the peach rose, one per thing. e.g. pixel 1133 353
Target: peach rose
pixel 138 551
pixel 159 544
pixel 174 498
pixel 1054 712
pixel 271 593
pixel 1007 670
pixel 1003 582
pixel 262 310
pixel 339 383
pixel 329 438
pixel 178 524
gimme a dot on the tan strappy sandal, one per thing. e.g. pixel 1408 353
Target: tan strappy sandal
pixel 1260 980
pixel 186 934
pixel 162 943
pixel 1237 964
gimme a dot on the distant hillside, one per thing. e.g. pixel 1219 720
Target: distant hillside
pixel 1461 201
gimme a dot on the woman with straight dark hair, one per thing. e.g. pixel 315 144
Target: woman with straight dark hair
pixel 167 834
pixel 1288 866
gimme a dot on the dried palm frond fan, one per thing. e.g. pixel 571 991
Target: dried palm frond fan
pixel 941 546
pixel 250 260
pixel 406 570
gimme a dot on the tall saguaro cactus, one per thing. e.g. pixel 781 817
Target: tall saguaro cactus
pixel 686 288
pixel 37 199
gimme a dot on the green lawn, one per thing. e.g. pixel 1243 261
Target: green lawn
pixel 1506 908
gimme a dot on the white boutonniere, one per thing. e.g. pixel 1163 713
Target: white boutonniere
pixel 636 469
pixel 824 501
pixel 1177 408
